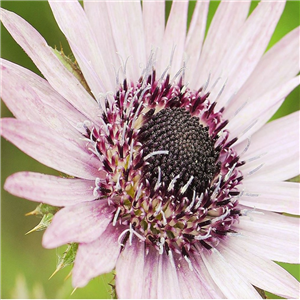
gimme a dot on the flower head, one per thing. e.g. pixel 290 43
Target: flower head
pixel 173 176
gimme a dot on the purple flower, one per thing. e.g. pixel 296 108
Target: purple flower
pixel 174 177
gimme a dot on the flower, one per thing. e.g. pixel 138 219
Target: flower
pixel 174 177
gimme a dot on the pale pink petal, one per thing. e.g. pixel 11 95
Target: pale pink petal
pixel 154 25
pixel 150 274
pixel 261 272
pixel 44 91
pixel 97 14
pixel 84 45
pixel 47 147
pixel 97 257
pixel 195 37
pixel 49 189
pixel 202 272
pixel 271 196
pixel 54 71
pixel 130 270
pixel 225 26
pixel 247 49
pixel 174 38
pixel 128 33
pixel 274 236
pixel 168 285
pixel 273 153
pixel 254 114
pixel 80 223
pixel 192 284
pixel 231 283
pixel 277 66
pixel 25 104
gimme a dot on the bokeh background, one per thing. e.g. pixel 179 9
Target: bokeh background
pixel 25 265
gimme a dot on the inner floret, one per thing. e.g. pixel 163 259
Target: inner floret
pixel 168 169
pixel 186 159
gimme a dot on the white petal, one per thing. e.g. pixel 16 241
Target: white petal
pixel 247 49
pixel 275 148
pixel 130 270
pixel 80 223
pixel 257 112
pixel 26 105
pixel 272 236
pixel 277 66
pixel 84 45
pixel 225 26
pixel 271 196
pixel 150 274
pixel 128 33
pixel 97 14
pixel 97 257
pixel 49 189
pixel 231 283
pixel 168 285
pixel 47 147
pixel 261 272
pixel 50 66
pixel 154 25
pixel 195 37
pixel 192 284
pixel 43 90
pixel 174 38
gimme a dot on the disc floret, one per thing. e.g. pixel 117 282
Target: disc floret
pixel 170 171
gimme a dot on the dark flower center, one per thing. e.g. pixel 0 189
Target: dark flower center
pixel 190 157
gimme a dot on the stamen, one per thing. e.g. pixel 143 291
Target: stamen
pixel 161 245
pixel 203 237
pixel 156 153
pixel 157 185
pixel 222 217
pixel 199 201
pixel 185 187
pixel 217 188
pixel 192 203
pixel 227 176
pixel 116 216
pixel 172 183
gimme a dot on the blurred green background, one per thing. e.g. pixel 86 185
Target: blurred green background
pixel 25 265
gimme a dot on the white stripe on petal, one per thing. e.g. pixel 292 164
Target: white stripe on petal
pixel 195 37
pixel 154 25
pixel 42 88
pixel 174 38
pixel 270 235
pixel 192 284
pixel 49 189
pixel 271 196
pixel 50 66
pixel 97 257
pixel 261 272
pixel 80 223
pixel 83 44
pixel 277 66
pixel 225 26
pixel 150 274
pixel 247 49
pixel 97 15
pixel 258 111
pixel 128 33
pixel 276 146
pixel 229 281
pixel 46 146
pixel 130 270
pixel 168 285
